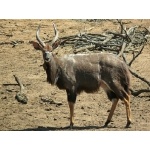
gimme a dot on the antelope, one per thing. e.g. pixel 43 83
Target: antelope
pixel 76 73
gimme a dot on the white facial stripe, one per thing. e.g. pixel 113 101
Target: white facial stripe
pixel 47 52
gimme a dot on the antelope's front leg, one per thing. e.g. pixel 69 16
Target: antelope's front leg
pixel 71 106
pixel 71 97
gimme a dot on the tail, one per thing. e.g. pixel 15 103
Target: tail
pixel 127 81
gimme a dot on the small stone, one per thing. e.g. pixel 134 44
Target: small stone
pixel 4 97
pixel 48 109
pixel 82 107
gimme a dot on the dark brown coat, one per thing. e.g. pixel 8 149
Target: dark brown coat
pixel 87 72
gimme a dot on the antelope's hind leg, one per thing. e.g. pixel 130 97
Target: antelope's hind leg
pixel 113 107
pixel 128 111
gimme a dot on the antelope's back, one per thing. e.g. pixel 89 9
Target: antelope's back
pixel 93 63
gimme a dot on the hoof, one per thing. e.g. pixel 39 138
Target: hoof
pixel 106 124
pixel 71 125
pixel 128 124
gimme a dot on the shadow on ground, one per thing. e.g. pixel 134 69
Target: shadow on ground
pixel 67 128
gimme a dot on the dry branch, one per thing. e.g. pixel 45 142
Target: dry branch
pixel 134 57
pixel 14 43
pixel 138 76
pixel 21 96
pixel 134 73
pixel 138 92
pixel 13 84
pixel 82 49
pixel 129 34
pixel 122 49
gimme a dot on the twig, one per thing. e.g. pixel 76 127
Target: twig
pixel 138 76
pixel 136 93
pixel 83 49
pixel 20 96
pixel 127 33
pixel 13 84
pixel 108 39
pixel 121 25
pixel 122 49
pixel 134 57
pixel 14 43
pixel 20 84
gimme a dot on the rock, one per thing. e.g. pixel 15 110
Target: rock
pixel 55 119
pixel 50 101
pixel 4 97
pixel 82 107
pixel 22 98
pixel 48 109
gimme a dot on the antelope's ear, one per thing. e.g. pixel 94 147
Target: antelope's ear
pixel 36 45
pixel 56 44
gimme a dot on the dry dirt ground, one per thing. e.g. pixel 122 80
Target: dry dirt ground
pixel 90 110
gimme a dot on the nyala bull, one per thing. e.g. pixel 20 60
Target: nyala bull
pixel 86 72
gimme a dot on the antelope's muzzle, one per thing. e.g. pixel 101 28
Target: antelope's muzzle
pixel 47 56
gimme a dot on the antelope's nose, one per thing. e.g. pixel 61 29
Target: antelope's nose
pixel 47 56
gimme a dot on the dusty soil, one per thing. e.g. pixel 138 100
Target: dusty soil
pixel 38 114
